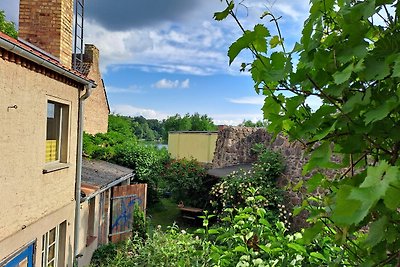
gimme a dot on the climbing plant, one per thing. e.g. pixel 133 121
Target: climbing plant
pixel 349 58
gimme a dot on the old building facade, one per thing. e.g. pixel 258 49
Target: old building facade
pixel 39 137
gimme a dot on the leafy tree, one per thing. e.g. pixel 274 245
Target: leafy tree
pixel 201 123
pixel 7 27
pixel 349 57
pixel 188 122
pixel 120 124
pixel 249 123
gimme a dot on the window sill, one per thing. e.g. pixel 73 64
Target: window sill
pixel 52 167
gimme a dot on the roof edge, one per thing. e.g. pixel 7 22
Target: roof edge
pixel 17 49
pixel 108 186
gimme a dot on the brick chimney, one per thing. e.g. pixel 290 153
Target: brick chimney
pixel 91 56
pixel 48 24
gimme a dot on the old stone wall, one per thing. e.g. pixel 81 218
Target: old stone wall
pixel 234 146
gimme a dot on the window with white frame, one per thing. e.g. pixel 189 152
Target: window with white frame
pixel 53 246
pixel 57 132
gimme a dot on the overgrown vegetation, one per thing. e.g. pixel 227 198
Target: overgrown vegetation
pixel 187 181
pixel 246 238
pixel 349 58
pixel 119 145
pixel 233 191
pixel 7 27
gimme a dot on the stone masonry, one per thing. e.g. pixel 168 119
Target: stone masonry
pixel 48 25
pixel 234 146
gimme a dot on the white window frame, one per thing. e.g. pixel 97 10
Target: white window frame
pixel 46 248
pixel 63 129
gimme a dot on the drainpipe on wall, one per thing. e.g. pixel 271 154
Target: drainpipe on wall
pixel 79 171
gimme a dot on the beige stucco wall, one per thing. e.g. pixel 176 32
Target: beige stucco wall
pixel 84 249
pixel 36 230
pixel 26 194
pixel 197 145
pixel 96 106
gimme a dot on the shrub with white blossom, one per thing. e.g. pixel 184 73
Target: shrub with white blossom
pixel 233 190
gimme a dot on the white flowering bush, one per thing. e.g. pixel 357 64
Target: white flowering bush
pixel 245 238
pixel 233 190
pixel 248 238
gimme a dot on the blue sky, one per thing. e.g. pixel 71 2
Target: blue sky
pixel 159 58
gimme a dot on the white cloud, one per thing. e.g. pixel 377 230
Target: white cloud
pixel 169 84
pixel 185 83
pixel 133 89
pixel 175 48
pixel 251 100
pixel 235 119
pixel 128 110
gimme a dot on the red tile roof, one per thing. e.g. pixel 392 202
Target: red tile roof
pixel 42 56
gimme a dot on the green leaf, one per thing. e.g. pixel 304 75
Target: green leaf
pixel 375 69
pixel 223 14
pixel 320 157
pixel 314 182
pixel 249 235
pixel 310 233
pixel 265 248
pixel 376 232
pixel 240 44
pixel 213 231
pixel 298 186
pixel 260 32
pixel 318 255
pixel 391 198
pixel 240 249
pixel 297 247
pixel 344 213
pixel 275 41
pixel 200 231
pixel 359 98
pixel 342 76
pixel 381 111
pixel 297 210
pixel 354 203
pixel 396 68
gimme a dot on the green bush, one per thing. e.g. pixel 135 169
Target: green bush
pixel 146 161
pixel 104 255
pixel 187 180
pixel 174 247
pixel 247 238
pixel 232 191
pixel 139 226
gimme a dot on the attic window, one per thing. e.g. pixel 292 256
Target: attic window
pixel 57 132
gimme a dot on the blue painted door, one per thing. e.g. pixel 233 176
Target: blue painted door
pixel 23 259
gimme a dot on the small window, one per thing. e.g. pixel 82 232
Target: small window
pixel 53 246
pixel 57 132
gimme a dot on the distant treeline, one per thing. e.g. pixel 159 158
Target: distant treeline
pixel 157 130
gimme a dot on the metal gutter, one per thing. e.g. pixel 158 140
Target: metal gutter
pixel 16 49
pixel 79 169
